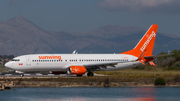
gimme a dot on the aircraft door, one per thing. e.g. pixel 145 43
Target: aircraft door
pixel 80 61
pixel 28 61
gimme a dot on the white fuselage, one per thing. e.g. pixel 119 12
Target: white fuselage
pixel 60 62
pixel 79 64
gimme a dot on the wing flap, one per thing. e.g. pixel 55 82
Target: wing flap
pixel 101 65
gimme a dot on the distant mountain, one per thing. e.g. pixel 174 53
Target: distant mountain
pixel 20 36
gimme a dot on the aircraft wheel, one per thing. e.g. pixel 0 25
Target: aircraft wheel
pixel 90 74
pixel 22 75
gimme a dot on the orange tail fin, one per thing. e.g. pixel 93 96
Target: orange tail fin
pixel 146 43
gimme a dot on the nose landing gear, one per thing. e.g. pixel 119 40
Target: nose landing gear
pixel 20 72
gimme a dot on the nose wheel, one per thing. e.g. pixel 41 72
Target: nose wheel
pixel 90 73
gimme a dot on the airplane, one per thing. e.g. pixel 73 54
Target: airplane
pixel 79 64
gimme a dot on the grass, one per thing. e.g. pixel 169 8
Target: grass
pixel 147 72
pixel 150 71
pixel 2 68
pixel 145 77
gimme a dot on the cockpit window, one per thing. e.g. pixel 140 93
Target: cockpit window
pixel 15 59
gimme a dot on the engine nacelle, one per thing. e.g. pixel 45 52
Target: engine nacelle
pixel 19 72
pixel 77 70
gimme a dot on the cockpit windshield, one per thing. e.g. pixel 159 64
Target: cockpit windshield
pixel 15 59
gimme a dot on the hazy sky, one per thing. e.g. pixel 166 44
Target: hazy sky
pixel 85 15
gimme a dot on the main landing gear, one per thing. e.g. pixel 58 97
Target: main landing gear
pixel 79 75
pixel 22 75
pixel 90 73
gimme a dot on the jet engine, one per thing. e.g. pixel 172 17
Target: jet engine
pixel 77 70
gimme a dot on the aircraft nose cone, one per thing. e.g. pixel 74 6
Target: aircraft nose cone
pixel 8 65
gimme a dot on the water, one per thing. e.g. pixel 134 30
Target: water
pixel 92 94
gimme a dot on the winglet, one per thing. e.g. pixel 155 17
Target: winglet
pixel 74 52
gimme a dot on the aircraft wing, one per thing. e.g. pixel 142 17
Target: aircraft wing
pixel 101 65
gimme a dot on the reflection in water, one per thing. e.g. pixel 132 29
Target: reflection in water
pixel 147 93
pixel 66 99
pixel 141 99
pixel 100 99
pixel 91 94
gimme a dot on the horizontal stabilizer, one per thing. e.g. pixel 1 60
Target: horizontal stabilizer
pixel 147 57
pixel 152 63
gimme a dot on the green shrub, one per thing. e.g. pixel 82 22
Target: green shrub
pixel 171 68
pixel 106 82
pixel 160 81
pixel 177 64
pixel 177 78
